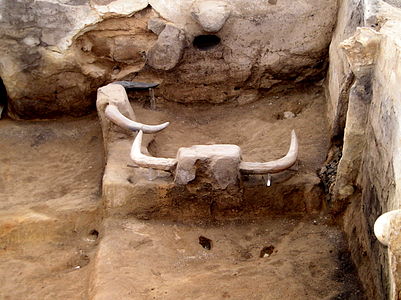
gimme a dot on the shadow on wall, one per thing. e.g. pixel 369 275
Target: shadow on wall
pixel 3 99
pixel 206 42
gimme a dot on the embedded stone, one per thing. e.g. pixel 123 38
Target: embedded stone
pixel 211 15
pixel 361 49
pixel 288 115
pixel 118 7
pixel 156 25
pixel 167 51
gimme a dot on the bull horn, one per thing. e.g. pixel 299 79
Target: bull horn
pixel 142 160
pixel 274 166
pixel 118 118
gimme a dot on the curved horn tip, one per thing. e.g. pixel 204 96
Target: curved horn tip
pixel 144 161
pixel 139 135
pixel 113 113
pixel 294 136
pixel 136 145
pixel 154 128
pixel 274 166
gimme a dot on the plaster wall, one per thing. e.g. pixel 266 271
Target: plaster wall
pixel 55 54
pixel 367 182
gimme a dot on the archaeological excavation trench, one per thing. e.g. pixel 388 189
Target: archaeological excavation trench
pixel 200 149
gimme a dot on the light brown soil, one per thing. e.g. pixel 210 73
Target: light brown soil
pixel 50 161
pixel 47 270
pixel 152 260
pixel 50 176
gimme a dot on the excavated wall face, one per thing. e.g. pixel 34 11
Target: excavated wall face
pixel 364 98
pixel 3 98
pixel 55 54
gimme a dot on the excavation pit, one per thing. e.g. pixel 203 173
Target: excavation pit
pixel 85 215
pixel 150 253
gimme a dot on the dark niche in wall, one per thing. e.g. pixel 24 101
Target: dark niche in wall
pixel 206 42
pixel 3 98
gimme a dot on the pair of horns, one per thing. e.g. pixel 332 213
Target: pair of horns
pixel 168 164
pixel 113 113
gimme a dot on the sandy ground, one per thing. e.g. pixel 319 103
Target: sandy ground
pixel 50 174
pixel 47 270
pixel 47 161
pixel 151 260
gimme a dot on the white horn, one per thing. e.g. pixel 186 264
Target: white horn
pixel 274 166
pixel 118 118
pixel 142 160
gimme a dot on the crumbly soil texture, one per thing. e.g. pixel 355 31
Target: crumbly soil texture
pixel 276 258
pixel 56 244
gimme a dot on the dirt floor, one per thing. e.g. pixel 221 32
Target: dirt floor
pixel 275 259
pixel 50 161
pixel 50 175
pixel 47 270
pixel 54 246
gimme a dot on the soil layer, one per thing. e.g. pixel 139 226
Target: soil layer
pixel 52 245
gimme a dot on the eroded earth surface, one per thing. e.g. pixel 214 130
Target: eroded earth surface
pixel 148 260
pixel 56 244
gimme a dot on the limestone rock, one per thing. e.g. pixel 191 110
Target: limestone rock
pixel 156 25
pixel 46 76
pixel 211 15
pixel 220 163
pixel 118 7
pixel 167 51
pixel 288 115
pixel 362 49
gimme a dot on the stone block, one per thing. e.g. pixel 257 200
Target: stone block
pixel 219 163
pixel 211 15
pixel 156 25
pixel 167 51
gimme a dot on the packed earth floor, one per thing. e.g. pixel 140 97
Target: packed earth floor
pixel 56 241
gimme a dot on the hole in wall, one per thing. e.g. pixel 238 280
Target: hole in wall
pixel 94 233
pixel 206 42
